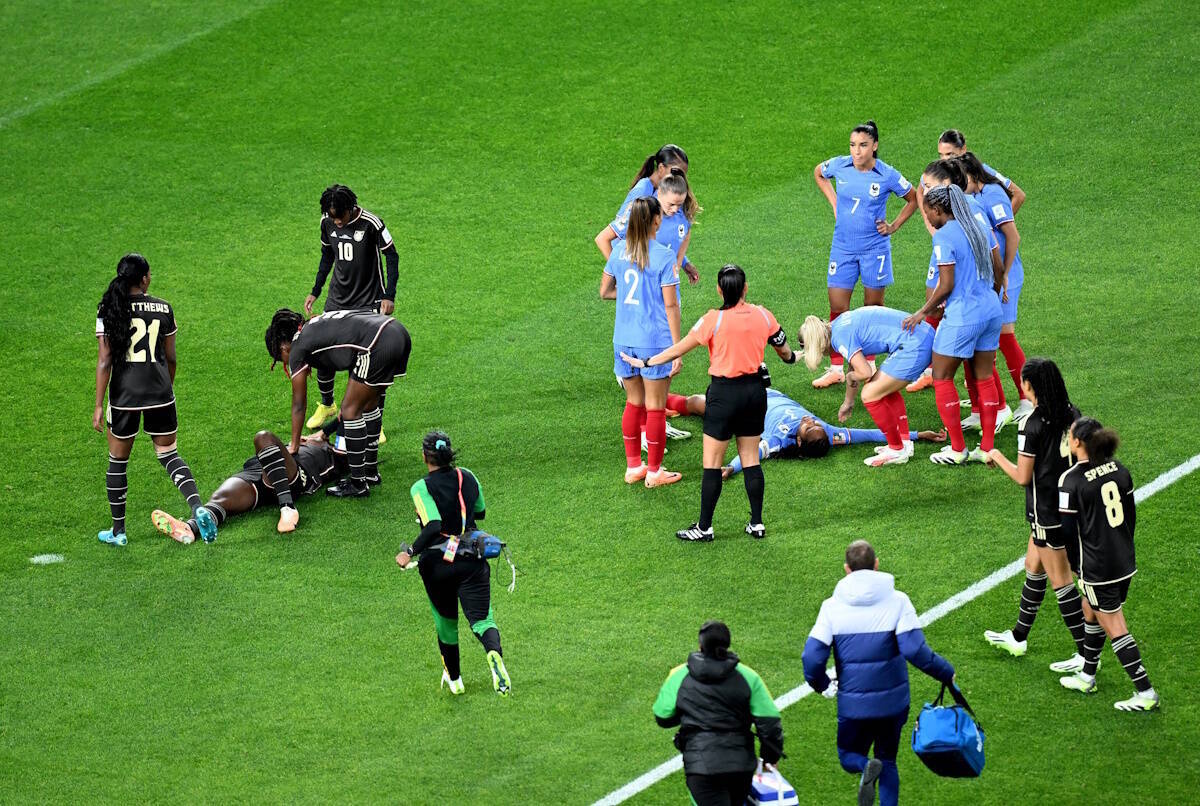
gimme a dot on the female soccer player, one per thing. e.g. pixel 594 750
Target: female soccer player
pixel 970 328
pixel 449 502
pixel 1042 457
pixel 373 347
pixel 736 400
pixel 867 331
pixel 641 276
pixel 136 367
pixel 952 143
pixel 1095 498
pixel 994 201
pixel 861 233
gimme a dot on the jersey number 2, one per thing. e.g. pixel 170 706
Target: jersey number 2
pixel 1110 494
pixel 631 277
pixel 136 355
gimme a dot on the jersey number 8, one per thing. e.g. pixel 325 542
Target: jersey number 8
pixel 136 355
pixel 1113 509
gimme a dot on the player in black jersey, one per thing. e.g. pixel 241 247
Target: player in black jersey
pixel 351 242
pixel 373 347
pixel 136 367
pixel 1095 499
pixel 1043 455
pixel 270 476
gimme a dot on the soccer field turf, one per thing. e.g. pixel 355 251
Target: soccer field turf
pixel 496 142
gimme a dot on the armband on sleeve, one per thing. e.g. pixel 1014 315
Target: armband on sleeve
pixel 778 339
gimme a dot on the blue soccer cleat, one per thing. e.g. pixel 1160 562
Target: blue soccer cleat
pixel 207 524
pixel 111 539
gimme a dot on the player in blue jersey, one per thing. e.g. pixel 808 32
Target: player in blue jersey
pixel 862 244
pixel 953 143
pixel 867 331
pixel 996 204
pixel 969 285
pixel 641 276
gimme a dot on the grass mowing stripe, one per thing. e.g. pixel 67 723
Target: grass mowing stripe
pixel 997 577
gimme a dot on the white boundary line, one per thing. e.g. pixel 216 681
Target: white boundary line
pixel 997 577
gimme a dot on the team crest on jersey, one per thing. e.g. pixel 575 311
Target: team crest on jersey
pixel 832 267
pixel 682 230
pixel 358 234
pixel 874 189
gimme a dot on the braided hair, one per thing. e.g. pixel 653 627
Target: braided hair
pixel 114 305
pixel 437 449
pixel 341 200
pixel 283 328
pixel 1047 382
pixel 974 169
pixel 1099 442
pixel 951 199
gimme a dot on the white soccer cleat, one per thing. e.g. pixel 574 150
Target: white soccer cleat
pixel 456 685
pixel 1006 641
pixel 1071 665
pixel 1022 412
pixel 977 455
pixel 909 448
pixel 1003 418
pixel 1140 701
pixel 677 433
pixel 1079 682
pixel 948 456
pixel 971 422
pixel 887 457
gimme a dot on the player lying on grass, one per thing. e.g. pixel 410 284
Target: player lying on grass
pixel 270 476
pixel 792 431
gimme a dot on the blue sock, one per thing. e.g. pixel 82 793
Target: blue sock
pixel 889 784
pixel 852 762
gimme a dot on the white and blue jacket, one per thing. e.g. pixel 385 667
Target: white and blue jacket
pixel 872 629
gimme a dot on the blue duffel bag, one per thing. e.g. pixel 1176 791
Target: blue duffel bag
pixel 948 739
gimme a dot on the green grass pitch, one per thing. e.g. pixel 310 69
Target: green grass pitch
pixel 495 142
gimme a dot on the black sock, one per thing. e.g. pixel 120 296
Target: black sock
pixel 216 510
pixel 374 421
pixel 117 482
pixel 450 659
pixel 181 475
pixel 325 387
pixel 275 472
pixel 382 398
pixel 1093 643
pixel 491 640
pixel 1032 593
pixel 1130 656
pixel 1070 604
pixel 356 447
pixel 755 482
pixel 710 491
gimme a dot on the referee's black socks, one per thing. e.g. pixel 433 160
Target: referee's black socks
pixel 754 491
pixel 710 491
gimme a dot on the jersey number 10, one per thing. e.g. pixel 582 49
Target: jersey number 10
pixel 346 250
pixel 135 354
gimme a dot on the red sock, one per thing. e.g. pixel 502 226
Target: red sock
pixel 945 393
pixel 972 386
pixel 988 407
pixel 836 359
pixel 934 319
pixel 631 430
pixel 900 413
pixel 881 413
pixel 677 404
pixel 1014 356
pixel 656 438
pixel 1001 399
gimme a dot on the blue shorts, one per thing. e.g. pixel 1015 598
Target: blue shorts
pixel 1010 308
pixel 624 370
pixel 913 356
pixel 963 341
pixel 845 268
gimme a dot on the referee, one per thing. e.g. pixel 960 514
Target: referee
pixel 736 335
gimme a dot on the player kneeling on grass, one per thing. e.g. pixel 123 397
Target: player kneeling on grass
pixel 867 331
pixel 1095 499
pixel 270 476
pixel 449 501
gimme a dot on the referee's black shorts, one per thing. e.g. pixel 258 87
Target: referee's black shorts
pixel 735 407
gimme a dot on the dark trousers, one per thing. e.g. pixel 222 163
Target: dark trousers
pixel 854 740
pixel 725 789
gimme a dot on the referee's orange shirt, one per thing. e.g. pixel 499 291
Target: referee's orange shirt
pixel 736 338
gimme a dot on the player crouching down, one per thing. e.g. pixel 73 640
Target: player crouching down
pixel 270 476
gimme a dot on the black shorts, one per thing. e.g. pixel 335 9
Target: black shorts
pixel 1056 539
pixel 158 421
pixel 304 483
pixel 735 407
pixel 1107 598
pixel 387 360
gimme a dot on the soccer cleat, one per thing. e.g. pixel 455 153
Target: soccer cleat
pixel 970 422
pixel 322 414
pixel 887 456
pixel 456 685
pixel 382 438
pixel 1140 701
pixel 111 539
pixel 349 488
pixel 374 481
pixel 1003 418
pixel 756 530
pixel 1079 682
pixel 948 456
pixel 924 382
pixel 866 784
pixel 207 524
pixel 1070 665
pixel 662 478
pixel 500 680
pixel 172 527
pixel 635 474
pixel 694 534
pixel 909 448
pixel 288 518
pixel 977 455
pixel 830 378
pixel 677 433
pixel 1006 641
pixel 1022 412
